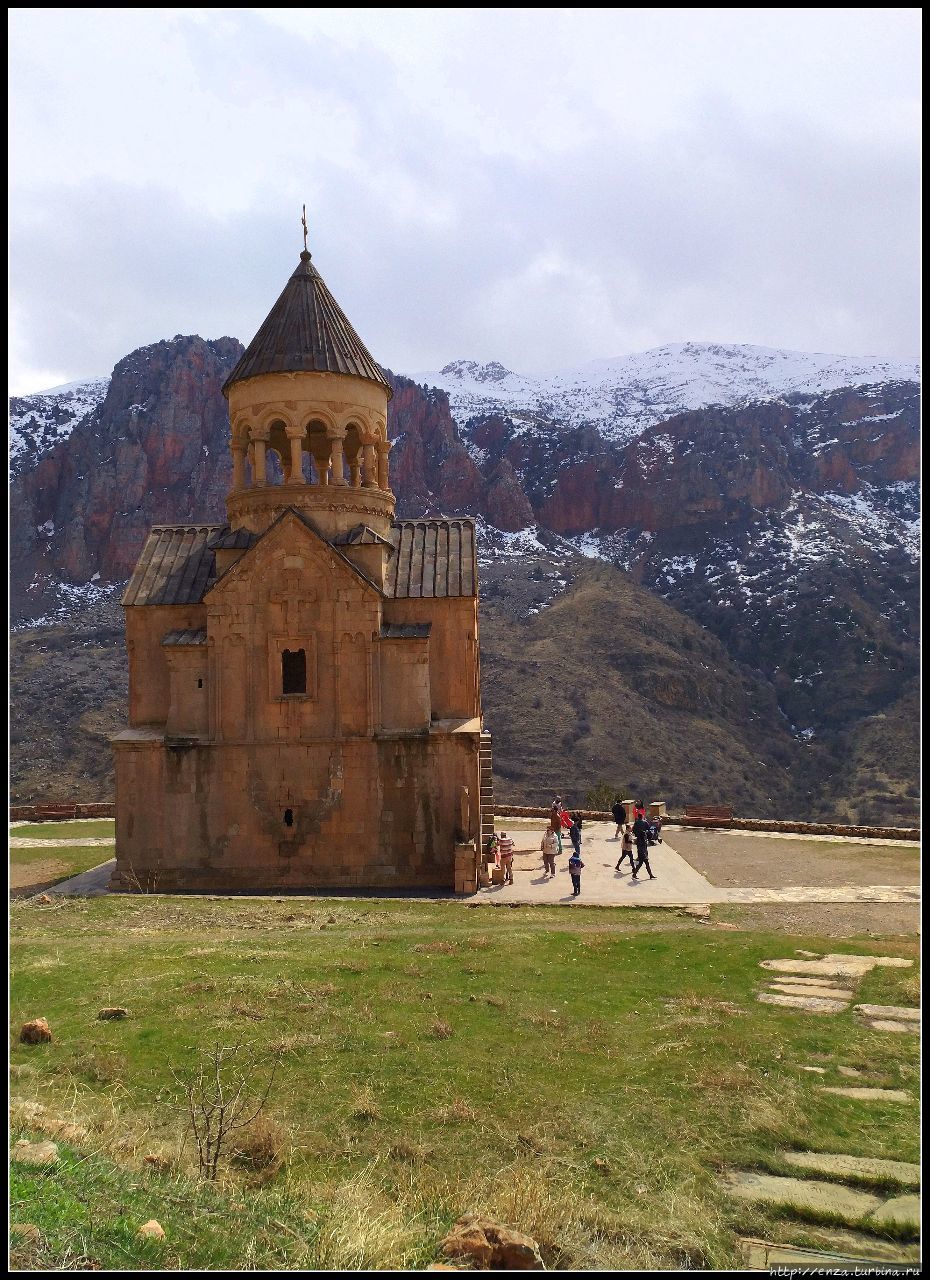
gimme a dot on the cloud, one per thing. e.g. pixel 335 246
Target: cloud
pixel 540 187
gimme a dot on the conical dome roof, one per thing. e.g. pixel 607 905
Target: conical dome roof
pixel 306 331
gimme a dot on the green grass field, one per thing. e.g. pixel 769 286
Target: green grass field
pixel 583 1075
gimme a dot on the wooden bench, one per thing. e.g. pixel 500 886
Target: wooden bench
pixel 713 812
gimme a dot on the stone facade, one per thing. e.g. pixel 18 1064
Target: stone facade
pixel 304 706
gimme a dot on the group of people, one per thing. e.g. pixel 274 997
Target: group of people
pixel 637 836
pixel 640 834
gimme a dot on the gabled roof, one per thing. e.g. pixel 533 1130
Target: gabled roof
pixel 242 564
pixel 434 558
pixel 176 565
pixel 306 331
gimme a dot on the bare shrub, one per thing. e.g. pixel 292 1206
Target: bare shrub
pixel 223 1094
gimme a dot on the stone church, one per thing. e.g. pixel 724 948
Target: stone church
pixel 304 702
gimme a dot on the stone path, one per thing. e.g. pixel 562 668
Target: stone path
pixel 27 842
pixel 795 835
pixel 810 984
pixel 858 1208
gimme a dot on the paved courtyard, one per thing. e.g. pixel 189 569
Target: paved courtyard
pixel 677 882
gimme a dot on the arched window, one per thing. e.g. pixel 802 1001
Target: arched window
pixel 293 671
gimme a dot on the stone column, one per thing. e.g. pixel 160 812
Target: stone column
pixel 296 436
pixel 384 448
pixel 238 457
pixel 336 436
pixel 369 467
pixel 355 471
pixel 260 474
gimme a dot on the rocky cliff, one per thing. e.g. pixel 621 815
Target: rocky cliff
pixel 786 528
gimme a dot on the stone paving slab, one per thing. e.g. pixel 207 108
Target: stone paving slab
pixel 801 1193
pixel 903 1211
pixel 855 1166
pixel 886 1024
pixel 900 1013
pixel 764 1255
pixel 828 993
pixel 835 966
pixel 806 1003
pixel 867 1095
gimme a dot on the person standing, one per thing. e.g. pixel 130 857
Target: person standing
pixel 641 836
pixel 575 867
pixel 550 848
pixel 505 844
pixel 619 816
pixel 555 820
pixel 575 832
pixel 626 849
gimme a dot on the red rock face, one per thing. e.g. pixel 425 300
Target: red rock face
pixel 157 451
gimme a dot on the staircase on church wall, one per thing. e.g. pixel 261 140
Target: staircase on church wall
pixel 485 789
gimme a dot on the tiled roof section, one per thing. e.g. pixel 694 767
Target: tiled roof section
pixel 176 565
pixel 233 539
pixel 406 630
pixel 361 536
pixel 306 331
pixel 184 637
pixel 434 558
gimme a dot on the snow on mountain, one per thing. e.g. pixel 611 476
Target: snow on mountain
pixel 625 395
pixel 39 422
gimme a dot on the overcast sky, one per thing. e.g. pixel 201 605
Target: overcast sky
pixel 541 187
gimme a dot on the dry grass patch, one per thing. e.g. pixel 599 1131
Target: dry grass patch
pixel 365 1106
pixel 440 1029
pixel 457 1112
pixel 198 988
pixel 360 1227
pixel 261 1146
pixel 437 948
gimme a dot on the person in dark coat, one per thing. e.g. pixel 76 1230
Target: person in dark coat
pixel 574 832
pixel 641 836
pixel 619 817
pixel 575 867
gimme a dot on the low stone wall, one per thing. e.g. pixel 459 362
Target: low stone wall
pixel 735 824
pixel 60 812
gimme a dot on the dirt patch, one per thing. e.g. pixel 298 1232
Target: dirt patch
pixel 739 859
pixel 33 876
pixel 827 919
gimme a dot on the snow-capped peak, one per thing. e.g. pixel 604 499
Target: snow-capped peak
pixel 625 394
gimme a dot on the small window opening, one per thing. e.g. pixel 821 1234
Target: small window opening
pixel 199 684
pixel 293 671
pixel 288 817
